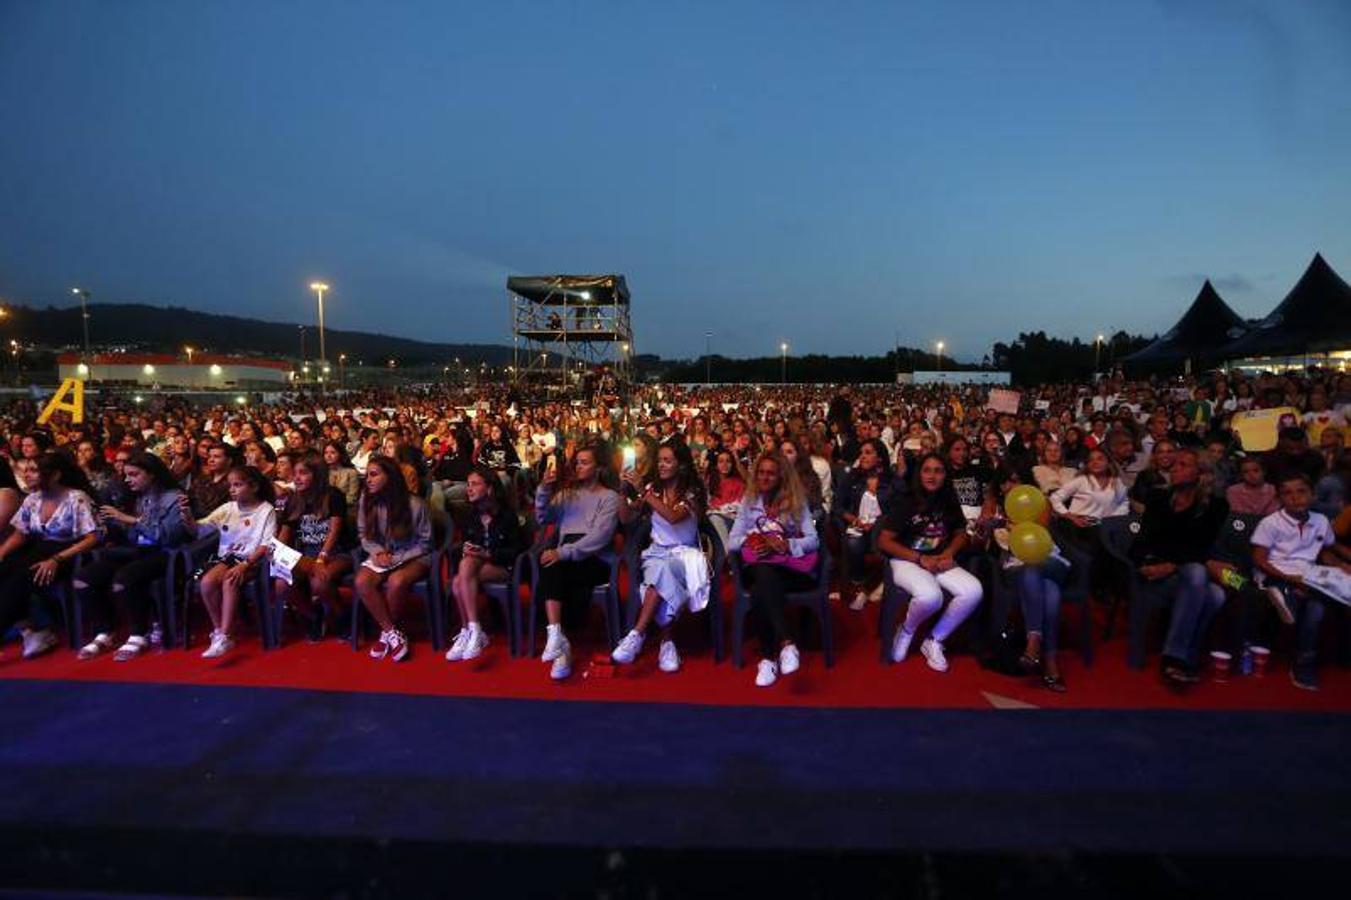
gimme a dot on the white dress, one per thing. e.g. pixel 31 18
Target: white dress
pixel 674 565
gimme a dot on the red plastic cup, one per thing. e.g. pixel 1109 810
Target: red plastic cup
pixel 1260 656
pixel 1221 662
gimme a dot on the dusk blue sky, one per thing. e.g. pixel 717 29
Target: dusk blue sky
pixel 828 174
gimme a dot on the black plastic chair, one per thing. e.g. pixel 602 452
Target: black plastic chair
pixel 1234 546
pixel 817 599
pixel 67 599
pixel 165 592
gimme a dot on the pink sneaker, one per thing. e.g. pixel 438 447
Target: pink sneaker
pixel 380 649
pixel 398 645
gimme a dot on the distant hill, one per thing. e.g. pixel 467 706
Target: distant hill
pixel 168 329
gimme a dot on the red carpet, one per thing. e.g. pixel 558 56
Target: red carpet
pixel 857 680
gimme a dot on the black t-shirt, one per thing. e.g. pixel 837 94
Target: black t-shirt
pixel 1167 535
pixel 969 484
pixel 925 527
pixel 310 531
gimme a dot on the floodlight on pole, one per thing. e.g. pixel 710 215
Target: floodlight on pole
pixel 319 288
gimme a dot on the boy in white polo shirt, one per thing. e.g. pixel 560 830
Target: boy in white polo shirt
pixel 1284 545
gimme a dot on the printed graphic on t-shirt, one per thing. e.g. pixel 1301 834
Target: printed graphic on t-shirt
pixel 928 531
pixel 312 530
pixel 970 491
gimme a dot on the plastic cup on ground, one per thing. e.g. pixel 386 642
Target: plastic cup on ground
pixel 1260 656
pixel 1221 661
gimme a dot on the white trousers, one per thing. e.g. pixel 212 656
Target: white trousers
pixel 926 596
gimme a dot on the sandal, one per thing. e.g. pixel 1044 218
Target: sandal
pixel 100 645
pixel 1029 663
pixel 1054 683
pixel 133 648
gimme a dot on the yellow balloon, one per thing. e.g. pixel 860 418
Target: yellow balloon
pixel 1024 504
pixel 1030 542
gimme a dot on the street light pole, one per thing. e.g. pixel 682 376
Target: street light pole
pixel 84 317
pixel 1097 355
pixel 783 365
pixel 319 287
pixel 940 356
pixel 708 357
pixel 303 360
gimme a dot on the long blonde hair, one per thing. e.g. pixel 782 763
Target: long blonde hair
pixel 792 496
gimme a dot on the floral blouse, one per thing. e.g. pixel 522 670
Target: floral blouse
pixel 73 519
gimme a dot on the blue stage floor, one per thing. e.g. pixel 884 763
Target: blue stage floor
pixel 397 768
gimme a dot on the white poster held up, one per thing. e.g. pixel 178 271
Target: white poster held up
pixel 1004 401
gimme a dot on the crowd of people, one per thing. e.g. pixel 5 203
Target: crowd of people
pixel 905 483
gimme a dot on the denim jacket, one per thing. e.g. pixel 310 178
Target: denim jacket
pixel 159 521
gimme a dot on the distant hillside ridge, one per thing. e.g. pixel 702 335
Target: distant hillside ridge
pixel 167 329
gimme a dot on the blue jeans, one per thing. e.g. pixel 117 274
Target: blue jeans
pixel 1308 607
pixel 1039 590
pixel 1196 600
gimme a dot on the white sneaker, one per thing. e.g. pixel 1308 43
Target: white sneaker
pixel 628 648
pixel 562 666
pixel 860 600
pixel 933 655
pixel 553 645
pixel 766 673
pixel 156 636
pixel 36 643
pixel 900 647
pixel 876 595
pixel 668 659
pixel 221 644
pixel 477 643
pixel 456 651
pixel 789 660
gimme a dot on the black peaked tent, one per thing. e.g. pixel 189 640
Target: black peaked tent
pixel 1314 317
pixel 571 290
pixel 1201 334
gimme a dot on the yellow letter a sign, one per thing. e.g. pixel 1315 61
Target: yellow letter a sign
pixel 74 387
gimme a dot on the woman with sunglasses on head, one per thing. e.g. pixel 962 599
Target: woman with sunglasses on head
pixel 777 540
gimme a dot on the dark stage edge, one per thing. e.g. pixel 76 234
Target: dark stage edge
pixel 174 788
